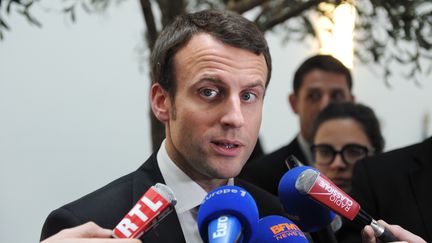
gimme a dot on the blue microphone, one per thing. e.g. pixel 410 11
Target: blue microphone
pixel 228 214
pixel 279 229
pixel 309 215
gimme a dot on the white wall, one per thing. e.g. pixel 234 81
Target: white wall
pixel 74 107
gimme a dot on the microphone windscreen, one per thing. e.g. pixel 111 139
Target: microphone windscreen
pixel 279 229
pixel 229 200
pixel 309 215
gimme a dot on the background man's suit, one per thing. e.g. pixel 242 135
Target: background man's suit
pixel 397 187
pixel 107 205
pixel 267 171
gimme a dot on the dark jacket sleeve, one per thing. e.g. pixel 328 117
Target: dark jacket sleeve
pixel 58 220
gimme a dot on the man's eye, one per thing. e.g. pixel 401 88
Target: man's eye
pixel 248 96
pixel 338 96
pixel 209 93
pixel 314 96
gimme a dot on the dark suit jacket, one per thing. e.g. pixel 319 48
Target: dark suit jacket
pixel 107 205
pixel 267 171
pixel 396 186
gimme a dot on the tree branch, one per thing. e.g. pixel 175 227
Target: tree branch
pixel 170 9
pixel 293 12
pixel 243 5
pixel 152 32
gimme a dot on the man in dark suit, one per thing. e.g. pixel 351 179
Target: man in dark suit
pixel 319 80
pixel 395 186
pixel 209 70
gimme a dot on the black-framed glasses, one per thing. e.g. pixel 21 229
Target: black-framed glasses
pixel 350 153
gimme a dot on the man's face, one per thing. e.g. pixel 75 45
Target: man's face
pixel 213 122
pixel 318 89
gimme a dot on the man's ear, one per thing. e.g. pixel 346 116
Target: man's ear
pixel 160 102
pixel 292 100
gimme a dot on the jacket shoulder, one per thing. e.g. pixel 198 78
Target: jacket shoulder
pixel 105 206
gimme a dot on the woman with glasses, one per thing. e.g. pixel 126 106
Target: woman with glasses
pixel 345 133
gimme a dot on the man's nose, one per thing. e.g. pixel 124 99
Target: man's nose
pixel 232 113
pixel 325 100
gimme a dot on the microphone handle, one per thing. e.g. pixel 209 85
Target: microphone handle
pixel 381 232
pixel 292 162
pixel 387 236
pixel 362 218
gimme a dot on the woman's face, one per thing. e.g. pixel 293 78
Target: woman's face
pixel 342 134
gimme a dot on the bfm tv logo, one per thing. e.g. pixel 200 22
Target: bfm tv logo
pixel 286 230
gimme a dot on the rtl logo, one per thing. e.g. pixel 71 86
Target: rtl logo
pixel 141 216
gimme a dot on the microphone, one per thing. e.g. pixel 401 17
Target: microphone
pixel 228 214
pixel 156 203
pixel 312 183
pixel 275 228
pixel 309 215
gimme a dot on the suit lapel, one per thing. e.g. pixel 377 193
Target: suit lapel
pixel 298 152
pixel 169 229
pixel 421 180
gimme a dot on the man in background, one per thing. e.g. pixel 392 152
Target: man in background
pixel 318 81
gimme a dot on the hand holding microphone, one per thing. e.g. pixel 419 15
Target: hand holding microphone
pixel 310 182
pixel 86 233
pixel 368 235
pixel 228 214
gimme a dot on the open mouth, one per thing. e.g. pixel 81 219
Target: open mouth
pixel 226 145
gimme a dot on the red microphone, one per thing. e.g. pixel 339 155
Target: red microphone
pixel 320 188
pixel 153 206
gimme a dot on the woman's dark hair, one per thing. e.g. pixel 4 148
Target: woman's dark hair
pixel 362 114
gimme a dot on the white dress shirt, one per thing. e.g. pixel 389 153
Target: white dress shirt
pixel 305 147
pixel 188 193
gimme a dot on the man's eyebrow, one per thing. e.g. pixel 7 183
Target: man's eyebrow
pixel 210 80
pixel 256 84
pixel 313 88
pixel 216 80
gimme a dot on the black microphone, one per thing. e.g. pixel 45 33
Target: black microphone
pixel 312 183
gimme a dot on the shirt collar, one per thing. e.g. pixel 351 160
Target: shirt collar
pixel 188 193
pixel 305 147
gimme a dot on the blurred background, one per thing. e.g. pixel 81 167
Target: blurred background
pixel 74 105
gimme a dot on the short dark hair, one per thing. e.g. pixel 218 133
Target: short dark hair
pixel 229 28
pixel 321 62
pixel 362 114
